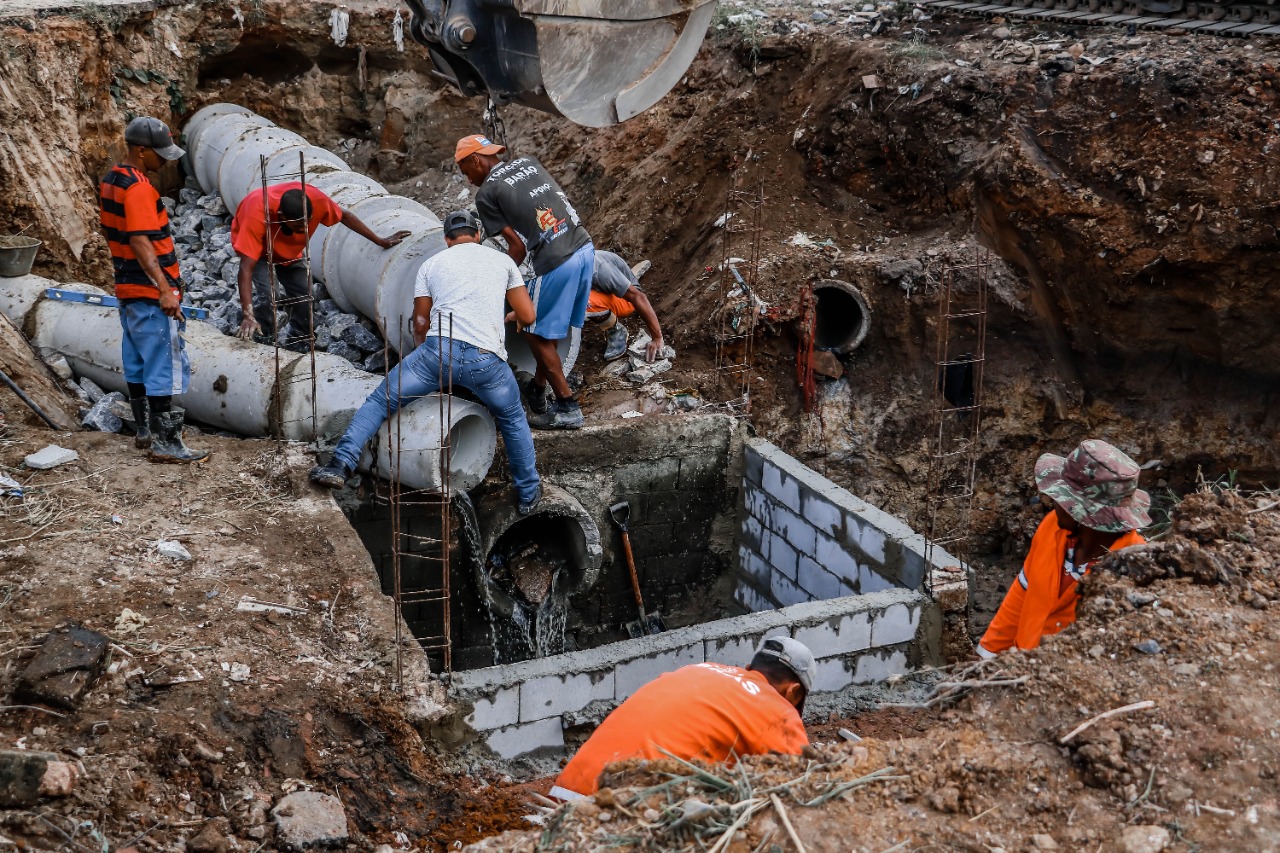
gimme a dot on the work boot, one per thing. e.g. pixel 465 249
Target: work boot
pixel 141 422
pixel 615 342
pixel 527 507
pixel 166 440
pixel 535 398
pixel 564 414
pixel 331 476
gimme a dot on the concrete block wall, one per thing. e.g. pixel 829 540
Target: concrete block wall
pixel 524 708
pixel 803 538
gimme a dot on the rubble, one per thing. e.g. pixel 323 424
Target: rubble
pixel 308 819
pixel 64 669
pixel 50 457
pixel 172 550
pixel 22 776
pixel 102 417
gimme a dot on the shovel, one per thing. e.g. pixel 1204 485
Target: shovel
pixel 647 624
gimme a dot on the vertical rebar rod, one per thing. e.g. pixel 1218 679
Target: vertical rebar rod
pixel 311 302
pixel 396 500
pixel 268 222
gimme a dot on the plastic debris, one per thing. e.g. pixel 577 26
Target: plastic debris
pixel 129 622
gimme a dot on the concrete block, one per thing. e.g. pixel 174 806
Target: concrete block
pixel 652 475
pixel 840 635
pixel 498 709
pixel 799 533
pixel 819 582
pixel 552 695
pixel 754 566
pixel 832 674
pixel 825 516
pixel 835 558
pixel 735 651
pixel 633 674
pixel 871 542
pixel 870 580
pixel 780 555
pixel 783 489
pixel 752 599
pixel 758 505
pixel 878 666
pixel 785 591
pixel 751 533
pixel 753 466
pixel 897 624
pixel 527 737
pixel 702 470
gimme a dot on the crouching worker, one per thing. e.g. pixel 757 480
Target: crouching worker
pixel 1097 508
pixel 615 295
pixel 460 292
pixel 148 287
pixel 706 712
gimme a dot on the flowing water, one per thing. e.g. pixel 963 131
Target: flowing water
pixel 519 629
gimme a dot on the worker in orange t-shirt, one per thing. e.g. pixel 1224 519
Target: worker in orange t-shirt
pixel 706 712
pixel 295 215
pixel 1097 508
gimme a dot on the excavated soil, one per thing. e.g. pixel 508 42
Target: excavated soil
pixel 1124 186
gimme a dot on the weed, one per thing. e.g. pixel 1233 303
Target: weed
pixel 918 50
pixel 743 27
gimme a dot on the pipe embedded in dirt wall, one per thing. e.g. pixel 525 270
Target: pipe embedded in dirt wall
pixel 226 144
pixel 234 386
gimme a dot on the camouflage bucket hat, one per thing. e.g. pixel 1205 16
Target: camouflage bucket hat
pixel 1097 485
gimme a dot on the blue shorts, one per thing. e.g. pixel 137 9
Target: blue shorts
pixel 560 296
pixel 152 349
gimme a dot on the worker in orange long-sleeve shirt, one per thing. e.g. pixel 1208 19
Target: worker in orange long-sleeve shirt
pixel 1098 508
pixel 706 712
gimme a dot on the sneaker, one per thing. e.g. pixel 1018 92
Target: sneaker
pixel 615 342
pixel 331 476
pixel 525 508
pixel 566 414
pixel 537 399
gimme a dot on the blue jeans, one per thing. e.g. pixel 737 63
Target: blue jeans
pixel 477 370
pixel 152 350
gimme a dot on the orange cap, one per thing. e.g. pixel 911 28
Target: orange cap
pixel 475 144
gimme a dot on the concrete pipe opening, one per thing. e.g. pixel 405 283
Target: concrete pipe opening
pixel 529 566
pixel 843 315
pixel 471 446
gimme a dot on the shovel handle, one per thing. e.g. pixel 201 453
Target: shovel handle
pixel 631 568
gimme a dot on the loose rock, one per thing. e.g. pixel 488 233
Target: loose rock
pixel 64 669
pixel 1144 839
pixel 310 819
pixel 50 457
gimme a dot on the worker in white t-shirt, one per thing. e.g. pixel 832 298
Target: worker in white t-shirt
pixel 460 294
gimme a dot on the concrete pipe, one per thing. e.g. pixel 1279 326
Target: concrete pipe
pixel 521 357
pixel 844 317
pixel 197 125
pixel 234 387
pixel 226 147
pixel 560 519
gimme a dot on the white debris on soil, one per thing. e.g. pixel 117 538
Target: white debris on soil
pixel 130 622
pixel 310 819
pixel 50 457
pixel 173 550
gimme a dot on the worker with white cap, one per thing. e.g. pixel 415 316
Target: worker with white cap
pixel 707 712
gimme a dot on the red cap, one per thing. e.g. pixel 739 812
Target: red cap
pixel 475 144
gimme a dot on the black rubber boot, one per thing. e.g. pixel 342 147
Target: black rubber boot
pixel 537 399
pixel 142 422
pixel 331 476
pixel 615 341
pixel 166 440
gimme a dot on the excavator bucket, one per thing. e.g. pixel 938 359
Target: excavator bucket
pixel 595 62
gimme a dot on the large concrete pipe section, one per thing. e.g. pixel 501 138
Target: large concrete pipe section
pixel 843 316
pixel 234 387
pixel 225 147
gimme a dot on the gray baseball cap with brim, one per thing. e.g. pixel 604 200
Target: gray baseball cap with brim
pixel 792 654
pixel 154 134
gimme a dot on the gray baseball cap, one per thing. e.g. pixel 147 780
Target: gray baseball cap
pixel 793 654
pixel 154 134
pixel 460 219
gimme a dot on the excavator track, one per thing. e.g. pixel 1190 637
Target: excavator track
pixel 1240 20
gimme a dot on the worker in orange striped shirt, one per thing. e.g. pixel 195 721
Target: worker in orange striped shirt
pixel 1097 508
pixel 148 286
